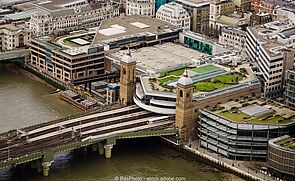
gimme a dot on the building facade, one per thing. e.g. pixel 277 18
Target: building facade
pixel 234 37
pixel 67 66
pixel 266 45
pixel 127 78
pixel 246 140
pixel 199 12
pixel 215 13
pixel 141 7
pixel 71 19
pixel 290 89
pixel 281 157
pixel 284 13
pixel 184 106
pixel 174 14
pixel 243 5
pixel 13 36
pixel 200 43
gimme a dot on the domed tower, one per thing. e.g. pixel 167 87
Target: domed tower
pixel 184 108
pixel 127 78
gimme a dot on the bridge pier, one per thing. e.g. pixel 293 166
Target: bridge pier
pixel 46 167
pixel 108 150
pixel 94 147
pixel 100 149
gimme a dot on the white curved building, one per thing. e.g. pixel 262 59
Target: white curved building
pixel 175 14
pixel 160 97
pixel 141 7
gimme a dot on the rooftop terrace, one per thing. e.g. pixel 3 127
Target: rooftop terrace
pixel 288 143
pixel 206 78
pixel 73 44
pixel 255 111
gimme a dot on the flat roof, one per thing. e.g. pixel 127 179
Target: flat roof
pixel 24 14
pixel 267 111
pixel 11 27
pixel 160 57
pixel 131 25
pixel 72 44
pixel 288 143
pixel 256 110
pixel 50 5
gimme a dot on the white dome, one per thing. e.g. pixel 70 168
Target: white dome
pixel 127 58
pixel 185 79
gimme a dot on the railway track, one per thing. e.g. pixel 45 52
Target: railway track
pixel 47 137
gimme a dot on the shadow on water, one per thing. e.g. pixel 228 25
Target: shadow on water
pixel 134 157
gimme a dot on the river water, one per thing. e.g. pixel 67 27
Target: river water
pixel 25 101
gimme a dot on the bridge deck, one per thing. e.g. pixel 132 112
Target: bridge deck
pixel 101 124
pixel 102 115
pixel 44 138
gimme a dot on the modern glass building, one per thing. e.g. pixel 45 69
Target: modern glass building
pixel 198 45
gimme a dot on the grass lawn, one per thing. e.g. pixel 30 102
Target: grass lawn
pixel 208 86
pixel 231 79
pixel 205 69
pixel 166 79
pixel 218 83
pixel 69 43
pixel 176 72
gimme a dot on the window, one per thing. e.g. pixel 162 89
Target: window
pixel 180 93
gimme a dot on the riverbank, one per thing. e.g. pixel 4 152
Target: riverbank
pixel 44 77
pixel 188 153
pixel 15 68
pixel 248 170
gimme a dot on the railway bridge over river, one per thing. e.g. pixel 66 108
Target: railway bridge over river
pixel 38 144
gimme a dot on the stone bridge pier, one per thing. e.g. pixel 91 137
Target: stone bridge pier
pixel 108 150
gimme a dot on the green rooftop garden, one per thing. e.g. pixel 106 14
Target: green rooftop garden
pixel 205 69
pixel 168 78
pixel 68 42
pixel 218 82
pixel 199 70
pixel 272 118
pixel 208 85
pixel 177 72
pixel 288 143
